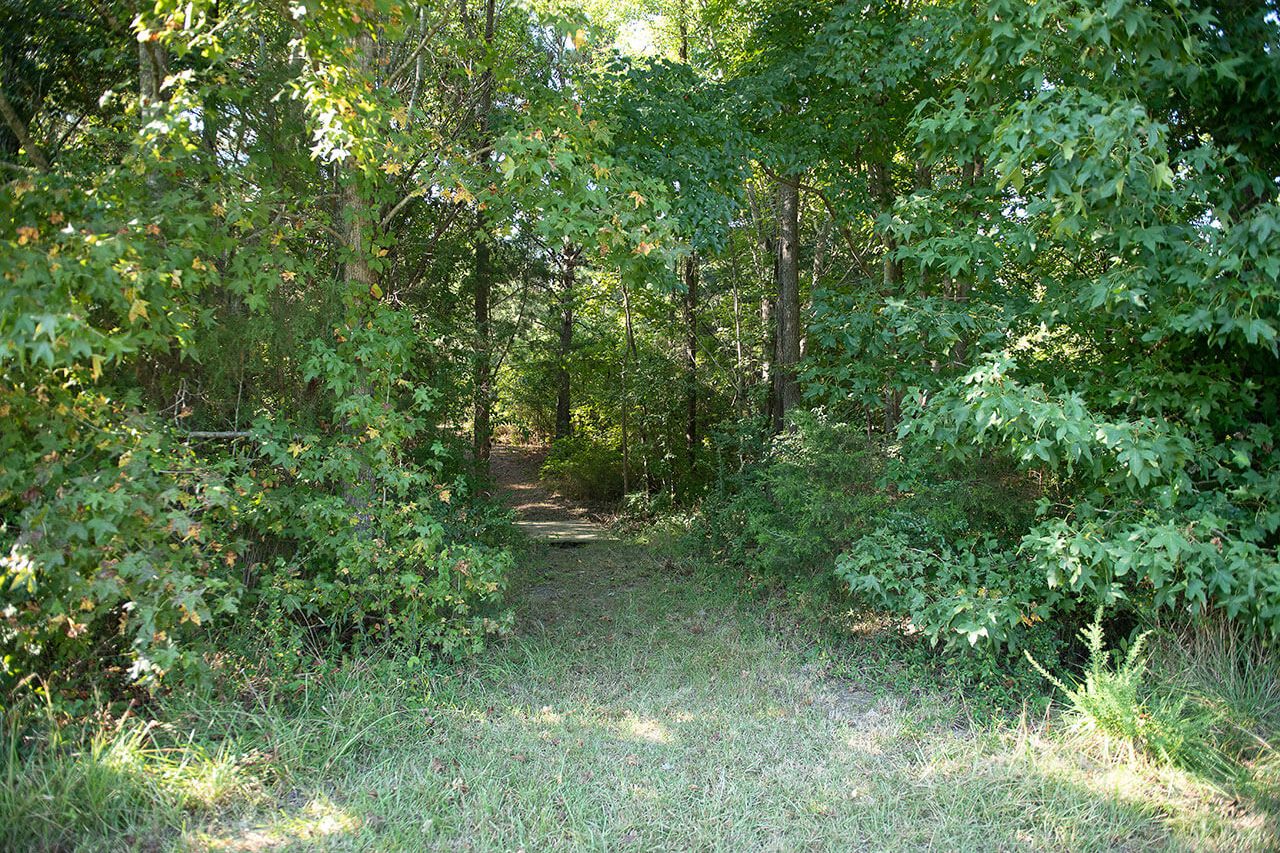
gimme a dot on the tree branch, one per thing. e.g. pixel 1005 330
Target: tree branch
pixel 20 131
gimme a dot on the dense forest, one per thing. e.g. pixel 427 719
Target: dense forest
pixel 958 319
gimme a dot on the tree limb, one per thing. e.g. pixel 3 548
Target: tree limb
pixel 20 131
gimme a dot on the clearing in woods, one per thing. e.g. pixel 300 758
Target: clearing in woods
pixel 640 705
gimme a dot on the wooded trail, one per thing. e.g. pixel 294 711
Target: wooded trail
pixel 640 703
pixel 541 513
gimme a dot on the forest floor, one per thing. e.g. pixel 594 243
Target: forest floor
pixel 642 704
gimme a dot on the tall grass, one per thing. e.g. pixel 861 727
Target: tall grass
pixel 63 789
pixel 1234 682
pixel 1205 699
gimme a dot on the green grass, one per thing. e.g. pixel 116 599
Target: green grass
pixel 637 706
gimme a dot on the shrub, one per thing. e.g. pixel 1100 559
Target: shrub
pixel 373 540
pixel 126 550
pixel 114 556
pixel 788 514
pixel 584 467
pixel 899 531
pixel 969 591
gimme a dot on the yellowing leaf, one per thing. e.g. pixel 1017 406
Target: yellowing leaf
pixel 137 309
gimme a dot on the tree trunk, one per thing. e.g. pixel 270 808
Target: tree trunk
pixel 739 357
pixel 359 278
pixel 482 368
pixel 788 287
pixel 768 354
pixel 882 189
pixel 564 421
pixel 684 31
pixel 19 129
pixel 628 350
pixel 691 360
pixel 819 269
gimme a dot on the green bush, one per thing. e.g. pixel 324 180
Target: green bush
pixel 127 549
pixel 934 545
pixel 584 467
pixel 114 556
pixel 117 544
pixel 374 540
pixel 787 515
pixel 969 591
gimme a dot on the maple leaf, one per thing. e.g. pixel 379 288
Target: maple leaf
pixel 137 309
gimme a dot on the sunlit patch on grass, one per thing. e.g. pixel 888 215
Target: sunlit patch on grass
pixel 547 716
pixel 646 728
pixel 318 820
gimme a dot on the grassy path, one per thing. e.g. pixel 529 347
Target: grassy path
pixel 640 707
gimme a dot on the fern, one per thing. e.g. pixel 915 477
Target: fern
pixel 1110 699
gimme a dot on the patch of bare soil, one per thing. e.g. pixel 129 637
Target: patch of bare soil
pixel 515 469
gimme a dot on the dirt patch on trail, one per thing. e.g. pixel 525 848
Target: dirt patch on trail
pixel 515 470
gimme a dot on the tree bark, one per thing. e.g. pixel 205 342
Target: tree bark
pixel 882 189
pixel 482 368
pixel 564 420
pixel 359 278
pixel 820 249
pixel 769 354
pixel 788 288
pixel 628 352
pixel 691 272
